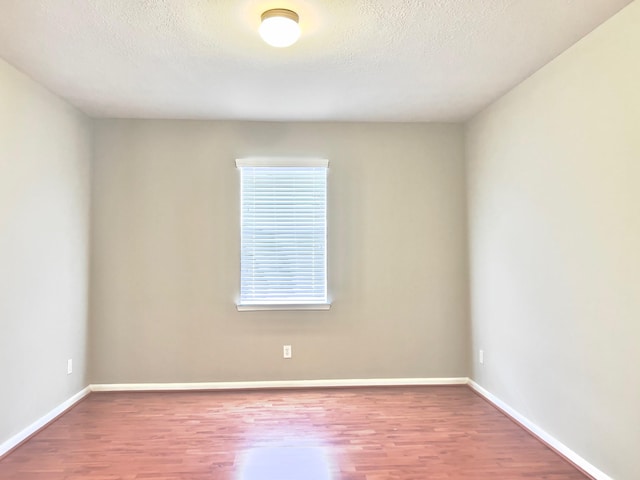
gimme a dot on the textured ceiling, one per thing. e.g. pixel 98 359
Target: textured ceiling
pixel 357 60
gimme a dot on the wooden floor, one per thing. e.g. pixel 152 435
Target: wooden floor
pixel 408 433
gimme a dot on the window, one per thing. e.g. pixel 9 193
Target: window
pixel 283 252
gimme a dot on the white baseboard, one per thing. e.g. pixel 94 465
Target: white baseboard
pixel 541 434
pixel 42 421
pixel 366 382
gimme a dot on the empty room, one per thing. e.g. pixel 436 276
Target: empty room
pixel 319 239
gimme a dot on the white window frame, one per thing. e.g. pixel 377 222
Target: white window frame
pixel 284 162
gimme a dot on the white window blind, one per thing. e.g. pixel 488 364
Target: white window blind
pixel 283 232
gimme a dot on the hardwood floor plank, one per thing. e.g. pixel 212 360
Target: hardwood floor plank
pixel 378 433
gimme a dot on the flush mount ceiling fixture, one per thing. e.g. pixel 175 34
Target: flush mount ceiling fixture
pixel 280 27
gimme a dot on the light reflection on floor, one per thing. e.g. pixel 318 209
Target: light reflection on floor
pixel 285 463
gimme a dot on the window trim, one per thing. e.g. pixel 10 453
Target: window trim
pixel 283 306
pixel 286 162
pixel 281 162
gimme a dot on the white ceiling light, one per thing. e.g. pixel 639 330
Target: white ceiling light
pixel 280 27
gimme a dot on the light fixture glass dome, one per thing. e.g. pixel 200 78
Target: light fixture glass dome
pixel 280 27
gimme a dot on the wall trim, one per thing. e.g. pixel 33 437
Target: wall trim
pixel 362 382
pixel 542 435
pixel 42 422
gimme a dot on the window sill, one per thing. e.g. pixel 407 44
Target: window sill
pixel 287 306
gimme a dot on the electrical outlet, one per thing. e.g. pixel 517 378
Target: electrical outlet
pixel 481 357
pixel 69 366
pixel 286 351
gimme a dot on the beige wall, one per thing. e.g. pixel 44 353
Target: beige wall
pixel 165 255
pixel 554 195
pixel 44 231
